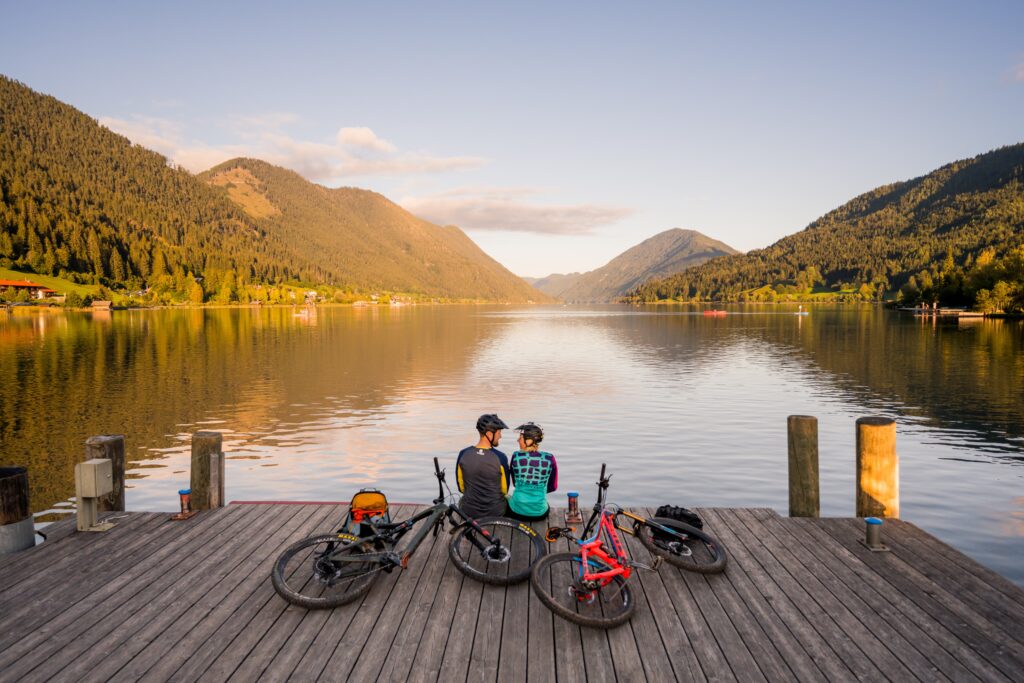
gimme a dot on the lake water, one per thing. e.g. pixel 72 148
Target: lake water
pixel 685 409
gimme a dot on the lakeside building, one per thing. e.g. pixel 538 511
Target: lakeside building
pixel 35 290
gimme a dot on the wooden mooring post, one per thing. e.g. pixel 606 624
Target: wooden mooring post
pixel 109 447
pixel 17 528
pixel 207 471
pixel 878 468
pixel 804 492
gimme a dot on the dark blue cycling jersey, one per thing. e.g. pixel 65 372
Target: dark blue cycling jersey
pixel 483 477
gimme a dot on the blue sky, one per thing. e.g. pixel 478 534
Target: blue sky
pixel 556 134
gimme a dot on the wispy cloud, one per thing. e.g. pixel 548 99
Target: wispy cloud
pixel 364 138
pixel 355 151
pixel 511 210
pixel 1017 73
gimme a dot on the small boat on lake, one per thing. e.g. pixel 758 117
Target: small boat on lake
pixel 714 312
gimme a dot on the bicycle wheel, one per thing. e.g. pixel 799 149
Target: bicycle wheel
pixel 319 572
pixel 502 565
pixel 556 581
pixel 684 546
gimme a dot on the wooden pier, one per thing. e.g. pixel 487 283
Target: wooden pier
pixel 802 599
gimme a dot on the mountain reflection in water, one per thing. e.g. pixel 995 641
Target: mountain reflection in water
pixel 684 408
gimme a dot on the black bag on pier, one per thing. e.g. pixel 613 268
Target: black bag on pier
pixel 680 514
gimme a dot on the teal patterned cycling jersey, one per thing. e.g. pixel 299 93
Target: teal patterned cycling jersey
pixel 534 475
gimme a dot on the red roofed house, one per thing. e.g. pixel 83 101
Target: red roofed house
pixel 36 291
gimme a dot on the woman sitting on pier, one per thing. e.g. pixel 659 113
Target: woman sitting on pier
pixel 534 475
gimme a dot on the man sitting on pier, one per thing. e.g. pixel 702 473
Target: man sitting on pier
pixel 482 472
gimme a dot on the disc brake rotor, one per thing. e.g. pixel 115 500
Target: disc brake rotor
pixel 680 549
pixel 499 553
pixel 583 597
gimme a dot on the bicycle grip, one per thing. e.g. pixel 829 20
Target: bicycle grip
pixel 602 471
pixel 437 466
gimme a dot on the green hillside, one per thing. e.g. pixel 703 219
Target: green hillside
pixel 941 237
pixel 84 204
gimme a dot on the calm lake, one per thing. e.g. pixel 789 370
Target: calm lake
pixel 685 409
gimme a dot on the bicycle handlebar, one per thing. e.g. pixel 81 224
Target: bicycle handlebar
pixel 439 473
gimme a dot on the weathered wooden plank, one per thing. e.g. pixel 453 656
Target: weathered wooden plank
pixel 788 609
pixel 206 618
pixel 937 643
pixel 655 644
pixel 342 659
pixel 540 635
pixel 751 655
pixel 49 571
pixel 262 622
pixel 570 664
pixel 779 653
pixel 626 657
pixel 997 605
pixel 970 627
pixel 439 627
pixel 871 612
pixel 486 649
pixel 159 602
pixel 515 624
pixel 934 548
pixel 366 647
pixel 826 606
pixel 255 630
pixel 459 646
pixel 402 656
pixel 314 662
pixel 102 608
pixel 709 653
pixel 104 599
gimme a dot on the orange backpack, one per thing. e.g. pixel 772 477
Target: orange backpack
pixel 366 507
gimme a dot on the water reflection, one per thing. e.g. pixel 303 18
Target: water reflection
pixel 685 408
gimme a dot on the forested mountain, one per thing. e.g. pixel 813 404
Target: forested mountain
pixel 81 202
pixel 362 237
pixel 668 252
pixel 940 237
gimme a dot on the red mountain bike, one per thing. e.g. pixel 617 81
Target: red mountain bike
pixel 589 587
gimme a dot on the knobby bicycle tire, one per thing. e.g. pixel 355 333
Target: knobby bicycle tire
pixel 708 555
pixel 290 580
pixel 517 538
pixel 549 590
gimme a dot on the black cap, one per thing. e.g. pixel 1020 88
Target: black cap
pixel 489 423
pixel 531 431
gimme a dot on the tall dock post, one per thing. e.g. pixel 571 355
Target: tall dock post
pixel 109 447
pixel 878 468
pixel 17 528
pixel 804 490
pixel 207 471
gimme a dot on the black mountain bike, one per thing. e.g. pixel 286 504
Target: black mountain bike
pixel 329 570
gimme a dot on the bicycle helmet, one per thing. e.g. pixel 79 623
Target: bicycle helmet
pixel 489 423
pixel 531 431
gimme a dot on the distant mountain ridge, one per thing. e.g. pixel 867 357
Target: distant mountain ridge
pixel 909 234
pixel 664 254
pixel 374 242
pixel 83 203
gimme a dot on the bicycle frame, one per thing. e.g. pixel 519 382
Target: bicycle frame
pixel 618 564
pixel 606 521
